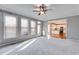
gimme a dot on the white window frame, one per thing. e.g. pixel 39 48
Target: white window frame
pixel 39 23
pixel 33 27
pixel 25 27
pixel 4 33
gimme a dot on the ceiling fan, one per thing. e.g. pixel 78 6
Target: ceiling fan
pixel 41 9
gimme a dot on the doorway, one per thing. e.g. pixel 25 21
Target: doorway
pixel 57 28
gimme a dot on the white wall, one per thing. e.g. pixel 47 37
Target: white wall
pixel 45 28
pixel 1 27
pixel 73 27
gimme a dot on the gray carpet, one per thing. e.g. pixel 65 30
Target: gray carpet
pixel 43 46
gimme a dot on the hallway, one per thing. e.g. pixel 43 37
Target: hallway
pixel 42 46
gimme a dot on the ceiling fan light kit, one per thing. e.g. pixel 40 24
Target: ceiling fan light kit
pixel 41 9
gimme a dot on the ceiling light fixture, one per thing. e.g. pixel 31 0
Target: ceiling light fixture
pixel 41 9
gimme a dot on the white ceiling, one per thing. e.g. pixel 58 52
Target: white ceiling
pixel 59 10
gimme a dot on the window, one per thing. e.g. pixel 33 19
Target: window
pixel 33 27
pixel 38 27
pixel 9 26
pixel 24 26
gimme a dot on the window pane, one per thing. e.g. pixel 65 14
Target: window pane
pixel 32 31
pixel 33 27
pixel 39 22
pixel 24 26
pixel 9 27
pixel 33 24
pixel 24 22
pixel 38 27
pixel 24 31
